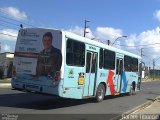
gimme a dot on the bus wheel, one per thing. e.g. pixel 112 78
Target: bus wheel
pixel 100 93
pixel 132 90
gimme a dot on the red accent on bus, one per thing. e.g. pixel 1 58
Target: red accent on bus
pixel 110 82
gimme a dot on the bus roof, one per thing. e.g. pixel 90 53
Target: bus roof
pixel 99 44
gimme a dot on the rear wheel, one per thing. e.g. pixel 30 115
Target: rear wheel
pixel 132 90
pixel 100 93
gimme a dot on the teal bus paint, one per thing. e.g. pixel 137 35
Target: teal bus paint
pixel 62 63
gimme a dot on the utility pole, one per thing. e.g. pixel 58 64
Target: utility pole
pixel 108 42
pixel 85 27
pixel 0 47
pixel 153 68
pixel 142 52
pixel 141 69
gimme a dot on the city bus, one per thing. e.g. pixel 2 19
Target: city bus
pixel 61 63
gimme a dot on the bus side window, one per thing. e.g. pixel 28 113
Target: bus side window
pixel 127 63
pixel 101 58
pixel 109 60
pixel 134 65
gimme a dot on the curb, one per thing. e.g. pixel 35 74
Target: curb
pixel 5 85
pixel 142 106
pixel 150 80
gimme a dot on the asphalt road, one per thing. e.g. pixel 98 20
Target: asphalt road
pixel 19 102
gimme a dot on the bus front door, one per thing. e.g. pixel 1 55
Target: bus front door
pixel 118 77
pixel 91 72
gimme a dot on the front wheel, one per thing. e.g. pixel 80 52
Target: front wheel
pixel 100 93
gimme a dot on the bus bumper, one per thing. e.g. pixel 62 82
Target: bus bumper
pixel 32 87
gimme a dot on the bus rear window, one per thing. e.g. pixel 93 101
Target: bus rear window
pixel 75 55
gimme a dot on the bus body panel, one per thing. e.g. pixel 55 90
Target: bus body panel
pixel 128 78
pixel 29 47
pixel 71 87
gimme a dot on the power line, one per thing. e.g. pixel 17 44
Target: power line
pixel 9 22
pixel 8 31
pixel 8 34
pixel 4 25
pixel 16 21
pixel 139 45
pixel 13 19
pixel 6 13
pixel 148 57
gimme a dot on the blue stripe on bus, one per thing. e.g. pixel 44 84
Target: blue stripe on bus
pixel 125 82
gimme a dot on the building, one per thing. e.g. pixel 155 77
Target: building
pixel 6 63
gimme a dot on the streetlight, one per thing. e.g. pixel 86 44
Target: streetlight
pixel 118 38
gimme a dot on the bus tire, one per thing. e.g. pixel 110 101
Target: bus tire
pixel 132 89
pixel 100 93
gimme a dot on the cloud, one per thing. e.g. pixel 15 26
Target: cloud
pixel 157 15
pixel 144 38
pixel 100 34
pixel 80 31
pixel 8 34
pixel 108 33
pixel 150 37
pixel 14 12
pixel 148 40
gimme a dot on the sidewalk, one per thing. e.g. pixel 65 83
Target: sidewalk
pixel 154 108
pixel 5 83
pixel 150 112
pixel 147 111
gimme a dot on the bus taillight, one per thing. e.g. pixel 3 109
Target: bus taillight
pixel 14 71
pixel 57 76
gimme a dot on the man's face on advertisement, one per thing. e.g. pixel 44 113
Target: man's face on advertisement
pixel 47 42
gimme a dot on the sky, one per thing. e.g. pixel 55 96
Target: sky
pixel 139 20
